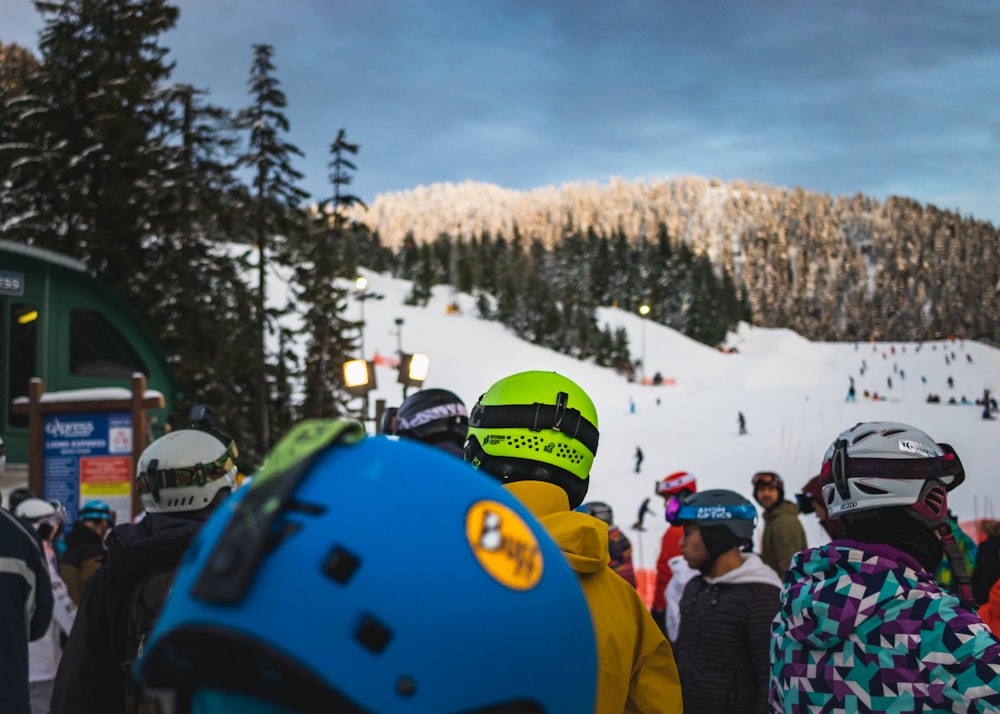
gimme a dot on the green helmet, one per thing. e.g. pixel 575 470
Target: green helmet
pixel 535 426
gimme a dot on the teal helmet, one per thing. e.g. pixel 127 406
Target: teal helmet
pixel 535 426
pixel 97 511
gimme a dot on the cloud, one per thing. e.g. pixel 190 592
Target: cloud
pixel 867 97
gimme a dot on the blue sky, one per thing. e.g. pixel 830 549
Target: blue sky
pixel 870 97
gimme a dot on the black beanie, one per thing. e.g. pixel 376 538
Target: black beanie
pixel 718 540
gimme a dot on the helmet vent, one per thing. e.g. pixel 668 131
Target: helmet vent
pixel 341 565
pixel 373 634
pixel 869 489
pixel 892 432
pixel 861 437
pixel 537 443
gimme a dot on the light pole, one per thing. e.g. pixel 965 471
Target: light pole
pixel 399 346
pixel 643 311
pixel 361 294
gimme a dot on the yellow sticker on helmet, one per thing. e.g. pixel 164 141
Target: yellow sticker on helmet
pixel 504 545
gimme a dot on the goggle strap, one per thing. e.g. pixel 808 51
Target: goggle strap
pixel 537 417
pixel 153 479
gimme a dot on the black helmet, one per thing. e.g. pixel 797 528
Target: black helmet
pixel 18 496
pixel 598 509
pixel 431 416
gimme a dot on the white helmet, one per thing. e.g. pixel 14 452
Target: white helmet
pixel 3 458
pixel 183 470
pixel 35 510
pixel 885 464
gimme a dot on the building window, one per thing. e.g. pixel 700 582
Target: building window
pixel 23 356
pixel 98 349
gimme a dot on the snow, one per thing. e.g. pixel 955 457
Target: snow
pixel 792 392
pixel 99 394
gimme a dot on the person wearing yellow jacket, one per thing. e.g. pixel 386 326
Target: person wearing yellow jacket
pixel 536 432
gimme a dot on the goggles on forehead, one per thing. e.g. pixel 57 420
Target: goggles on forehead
pixel 766 478
pixel 672 507
pixel 680 512
pixel 440 411
pixel 946 468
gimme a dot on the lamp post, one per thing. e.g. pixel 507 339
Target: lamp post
pixel 643 311
pixel 362 294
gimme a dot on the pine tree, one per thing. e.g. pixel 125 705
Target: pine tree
pixel 275 204
pixel 329 254
pixel 17 66
pixel 84 172
pixel 202 302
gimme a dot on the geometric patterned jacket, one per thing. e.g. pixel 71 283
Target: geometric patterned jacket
pixel 863 628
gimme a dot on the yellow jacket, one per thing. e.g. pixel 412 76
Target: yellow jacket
pixel 635 670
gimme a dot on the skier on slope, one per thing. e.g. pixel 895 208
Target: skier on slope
pixel 863 626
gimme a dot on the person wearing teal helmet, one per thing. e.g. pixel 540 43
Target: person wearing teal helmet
pixel 297 599
pixel 537 433
pixel 726 608
pixel 85 547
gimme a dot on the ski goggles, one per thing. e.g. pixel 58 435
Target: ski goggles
pixel 680 512
pixel 767 478
pixel 153 479
pixel 804 501
pixel 946 468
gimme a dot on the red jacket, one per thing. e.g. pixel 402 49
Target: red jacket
pixel 669 547
pixel 990 611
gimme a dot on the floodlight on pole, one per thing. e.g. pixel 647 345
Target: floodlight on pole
pixel 643 311
pixel 359 377
pixel 413 370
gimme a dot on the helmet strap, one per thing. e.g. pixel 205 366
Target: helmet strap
pixel 931 510
pixel 838 468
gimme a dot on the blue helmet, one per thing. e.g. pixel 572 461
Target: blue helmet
pixel 369 574
pixel 97 511
pixel 715 507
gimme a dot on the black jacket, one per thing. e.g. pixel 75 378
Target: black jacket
pixel 986 570
pixel 25 607
pixel 90 676
pixel 83 556
pixel 723 646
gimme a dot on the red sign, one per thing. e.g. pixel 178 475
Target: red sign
pixel 96 470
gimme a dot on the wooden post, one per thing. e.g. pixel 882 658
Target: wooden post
pixel 138 431
pixel 36 438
